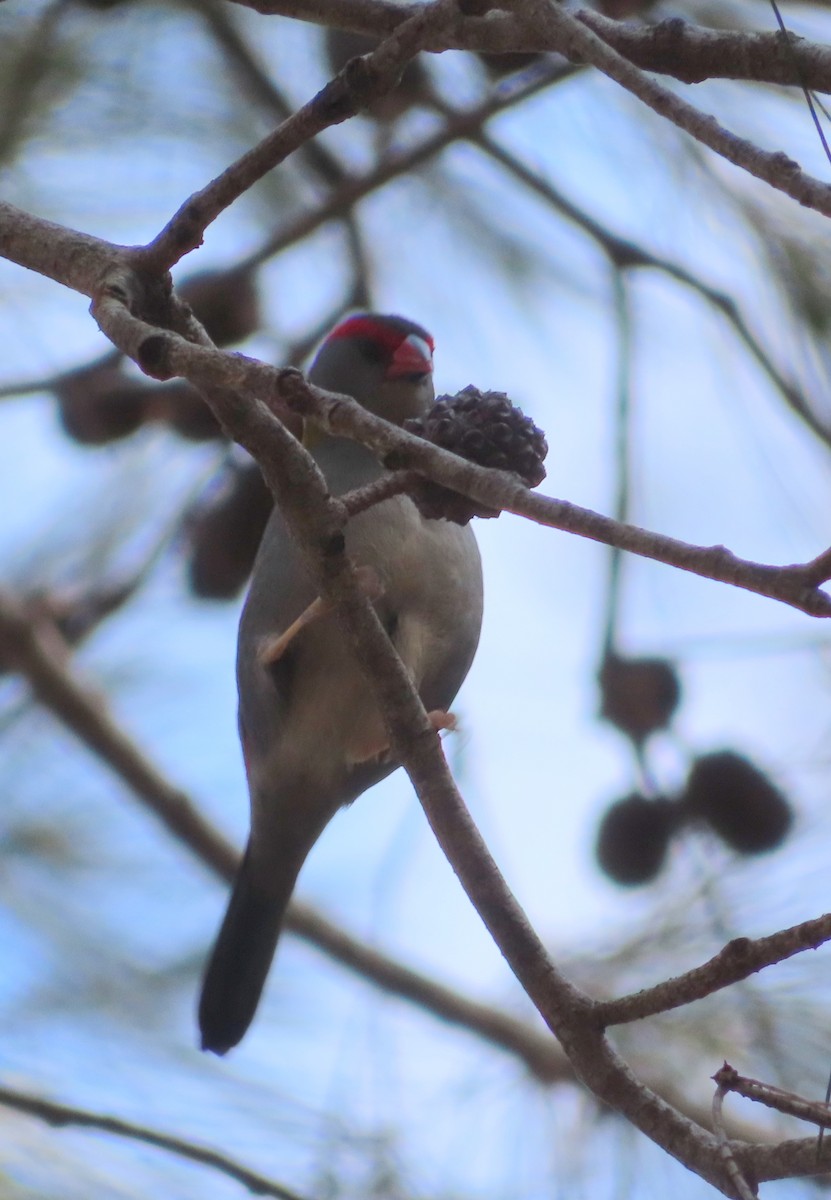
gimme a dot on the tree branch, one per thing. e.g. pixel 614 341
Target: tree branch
pixel 361 81
pixel 64 1114
pixel 39 654
pixel 739 959
pixel 163 354
pixel 579 43
pixel 672 47
pixel 42 659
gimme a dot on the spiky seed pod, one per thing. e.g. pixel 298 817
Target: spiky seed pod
pixel 179 405
pixel 638 695
pixel 633 838
pixel 226 302
pixel 487 429
pixel 100 404
pixel 226 536
pixel 739 802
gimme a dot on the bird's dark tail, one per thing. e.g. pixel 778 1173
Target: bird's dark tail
pixel 239 963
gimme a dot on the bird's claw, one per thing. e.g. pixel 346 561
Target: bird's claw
pixel 443 720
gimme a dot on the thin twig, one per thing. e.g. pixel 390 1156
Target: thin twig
pixel 462 125
pixel 815 1111
pixel 361 81
pixel 578 43
pixel 65 1114
pixel 737 960
pixel 730 1165
pixel 394 483
pixel 628 256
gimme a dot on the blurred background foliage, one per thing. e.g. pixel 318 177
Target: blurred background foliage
pixel 645 752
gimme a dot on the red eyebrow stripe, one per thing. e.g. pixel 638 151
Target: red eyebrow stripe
pixel 390 336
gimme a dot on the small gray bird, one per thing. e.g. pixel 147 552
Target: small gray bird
pixel 312 735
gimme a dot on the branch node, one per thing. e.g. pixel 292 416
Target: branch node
pixel 337 100
pixel 291 391
pixel 739 950
pixel 669 39
pixel 784 164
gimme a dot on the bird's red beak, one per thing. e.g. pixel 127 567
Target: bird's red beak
pixel 413 357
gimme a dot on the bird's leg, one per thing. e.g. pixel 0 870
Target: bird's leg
pixel 273 648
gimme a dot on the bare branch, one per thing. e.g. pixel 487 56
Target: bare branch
pixel 361 81
pixel 625 255
pixel 816 1111
pixel 692 54
pixel 739 959
pixel 64 1114
pixel 732 1168
pixel 673 47
pixel 77 260
pixel 165 354
pixel 578 43
pixel 42 659
pixel 458 125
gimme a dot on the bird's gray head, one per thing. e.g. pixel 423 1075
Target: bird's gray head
pixel 384 362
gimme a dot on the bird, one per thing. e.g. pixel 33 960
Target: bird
pixel 312 734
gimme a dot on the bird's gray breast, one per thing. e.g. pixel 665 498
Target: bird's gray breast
pixel 430 602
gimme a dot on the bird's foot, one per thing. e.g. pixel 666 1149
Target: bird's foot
pixel 374 747
pixel 442 720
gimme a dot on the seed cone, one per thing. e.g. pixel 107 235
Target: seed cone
pixel 485 428
pixel 226 536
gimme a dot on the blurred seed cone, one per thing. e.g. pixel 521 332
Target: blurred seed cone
pixel 100 404
pixel 633 838
pixel 638 695
pixel 739 802
pixel 225 537
pixel 179 405
pixel 226 302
